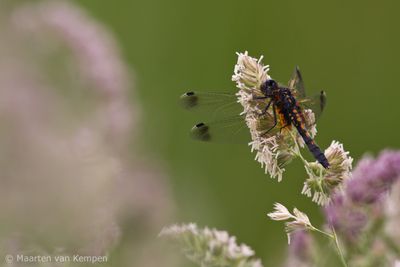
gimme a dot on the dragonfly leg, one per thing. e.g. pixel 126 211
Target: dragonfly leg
pixel 265 109
pixel 275 121
pixel 260 97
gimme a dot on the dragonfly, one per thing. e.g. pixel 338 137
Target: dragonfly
pixel 287 103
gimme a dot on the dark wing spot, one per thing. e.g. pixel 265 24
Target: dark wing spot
pixel 322 99
pixel 189 100
pixel 201 132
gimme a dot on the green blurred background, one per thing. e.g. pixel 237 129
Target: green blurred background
pixel 348 48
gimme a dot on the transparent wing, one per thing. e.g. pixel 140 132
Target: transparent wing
pixel 222 113
pixel 228 130
pixel 316 103
pixel 212 105
pixel 296 83
pixel 234 129
pixel 225 124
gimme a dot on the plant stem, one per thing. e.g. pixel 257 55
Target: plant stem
pixel 297 152
pixel 322 232
pixel 335 238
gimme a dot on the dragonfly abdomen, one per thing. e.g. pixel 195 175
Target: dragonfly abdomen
pixel 313 147
pixel 298 121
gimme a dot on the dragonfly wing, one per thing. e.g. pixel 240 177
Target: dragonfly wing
pixel 296 83
pixel 213 105
pixel 316 103
pixel 226 124
pixel 229 130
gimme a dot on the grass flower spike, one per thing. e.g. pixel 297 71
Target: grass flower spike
pixel 275 149
pixel 300 220
pixel 322 182
pixel 299 224
pixel 281 213
pixel 249 74
pixel 210 247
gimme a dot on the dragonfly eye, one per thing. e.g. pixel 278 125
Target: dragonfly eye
pixel 268 86
pixel 271 83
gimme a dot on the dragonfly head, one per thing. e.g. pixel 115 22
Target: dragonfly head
pixel 268 87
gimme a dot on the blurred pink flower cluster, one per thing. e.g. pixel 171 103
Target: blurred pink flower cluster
pixel 364 214
pixel 69 182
